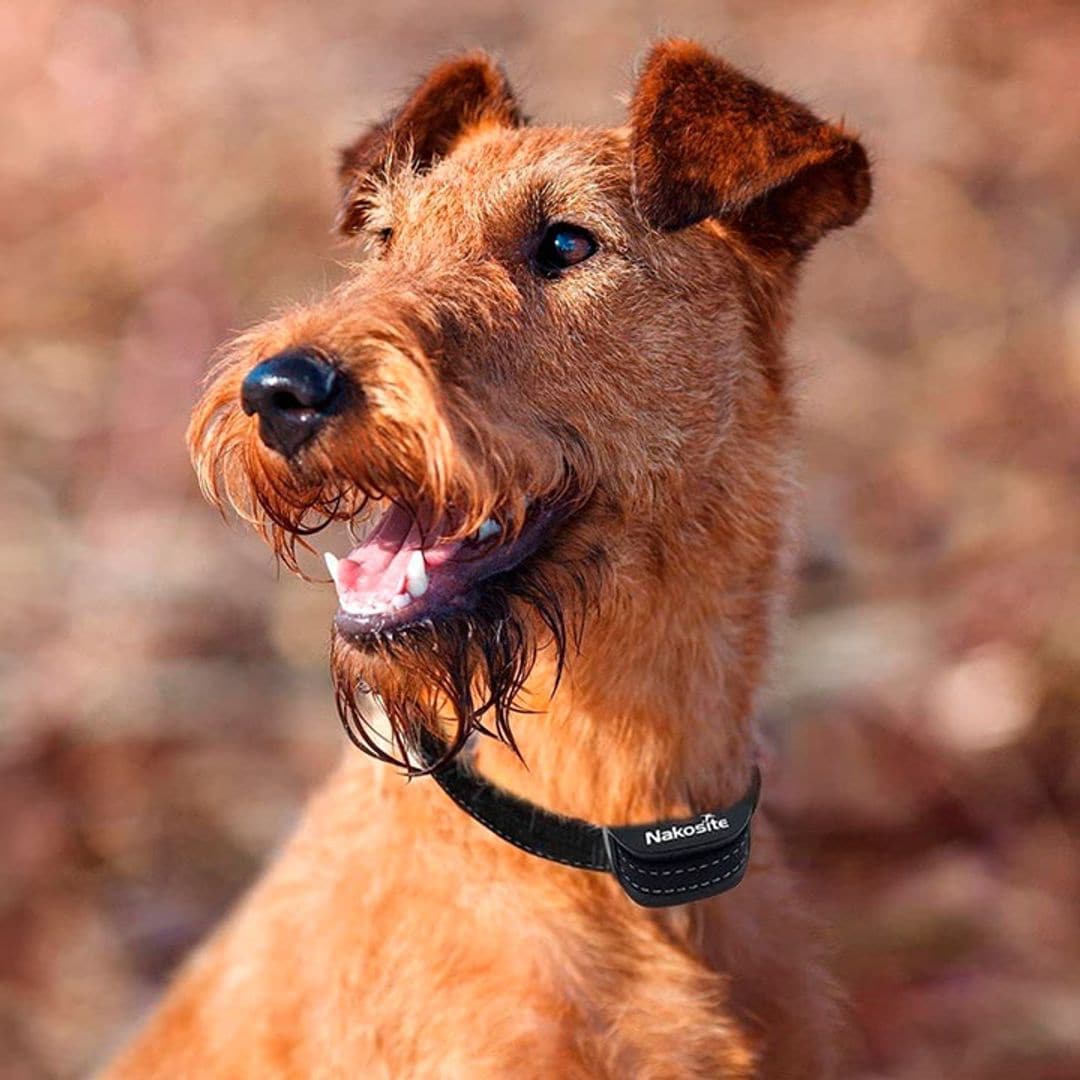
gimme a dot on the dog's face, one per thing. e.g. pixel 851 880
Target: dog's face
pixel 551 393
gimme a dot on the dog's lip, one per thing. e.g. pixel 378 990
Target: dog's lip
pixel 453 571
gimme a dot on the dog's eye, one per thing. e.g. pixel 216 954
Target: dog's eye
pixel 563 246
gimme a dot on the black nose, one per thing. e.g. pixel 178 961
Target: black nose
pixel 294 393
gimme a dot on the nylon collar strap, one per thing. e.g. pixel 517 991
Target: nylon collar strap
pixel 658 865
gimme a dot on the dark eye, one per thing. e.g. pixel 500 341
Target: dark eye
pixel 563 246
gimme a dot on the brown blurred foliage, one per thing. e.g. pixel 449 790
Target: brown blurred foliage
pixel 166 176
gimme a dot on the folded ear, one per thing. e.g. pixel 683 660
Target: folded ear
pixel 706 141
pixel 467 90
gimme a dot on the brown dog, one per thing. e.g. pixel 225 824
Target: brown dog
pixel 560 380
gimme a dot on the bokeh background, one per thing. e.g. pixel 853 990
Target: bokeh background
pixel 166 176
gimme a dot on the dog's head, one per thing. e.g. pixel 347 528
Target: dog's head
pixel 551 393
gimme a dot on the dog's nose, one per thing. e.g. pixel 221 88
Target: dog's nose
pixel 294 394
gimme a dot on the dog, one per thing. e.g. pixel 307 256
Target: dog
pixel 556 397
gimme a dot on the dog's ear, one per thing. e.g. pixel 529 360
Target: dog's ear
pixel 459 93
pixel 706 141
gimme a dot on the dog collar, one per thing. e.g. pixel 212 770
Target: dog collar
pixel 658 865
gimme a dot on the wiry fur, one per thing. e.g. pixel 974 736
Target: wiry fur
pixel 642 399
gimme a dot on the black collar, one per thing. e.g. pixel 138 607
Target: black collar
pixel 658 865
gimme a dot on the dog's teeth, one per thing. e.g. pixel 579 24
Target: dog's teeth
pixel 400 601
pixel 331 564
pixel 416 579
pixel 488 527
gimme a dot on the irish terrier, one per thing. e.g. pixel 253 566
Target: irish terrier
pixel 556 397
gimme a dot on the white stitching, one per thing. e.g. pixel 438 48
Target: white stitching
pixel 687 869
pixel 685 888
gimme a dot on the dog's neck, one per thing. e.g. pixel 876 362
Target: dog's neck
pixel 649 737
pixel 653 717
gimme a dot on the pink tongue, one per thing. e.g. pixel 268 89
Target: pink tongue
pixel 376 569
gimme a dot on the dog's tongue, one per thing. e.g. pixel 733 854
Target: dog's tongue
pixel 378 565
pixel 391 564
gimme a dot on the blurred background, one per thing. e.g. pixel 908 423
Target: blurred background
pixel 166 177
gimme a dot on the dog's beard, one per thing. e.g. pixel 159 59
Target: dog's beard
pixel 465 671
pixel 455 675
pixel 463 674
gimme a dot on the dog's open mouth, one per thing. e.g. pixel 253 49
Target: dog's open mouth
pixel 404 573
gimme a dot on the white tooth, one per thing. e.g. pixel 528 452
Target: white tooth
pixel 400 601
pixel 416 579
pixel 356 607
pixel 331 565
pixel 488 527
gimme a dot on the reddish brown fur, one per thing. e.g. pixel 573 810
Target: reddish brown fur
pixel 646 389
